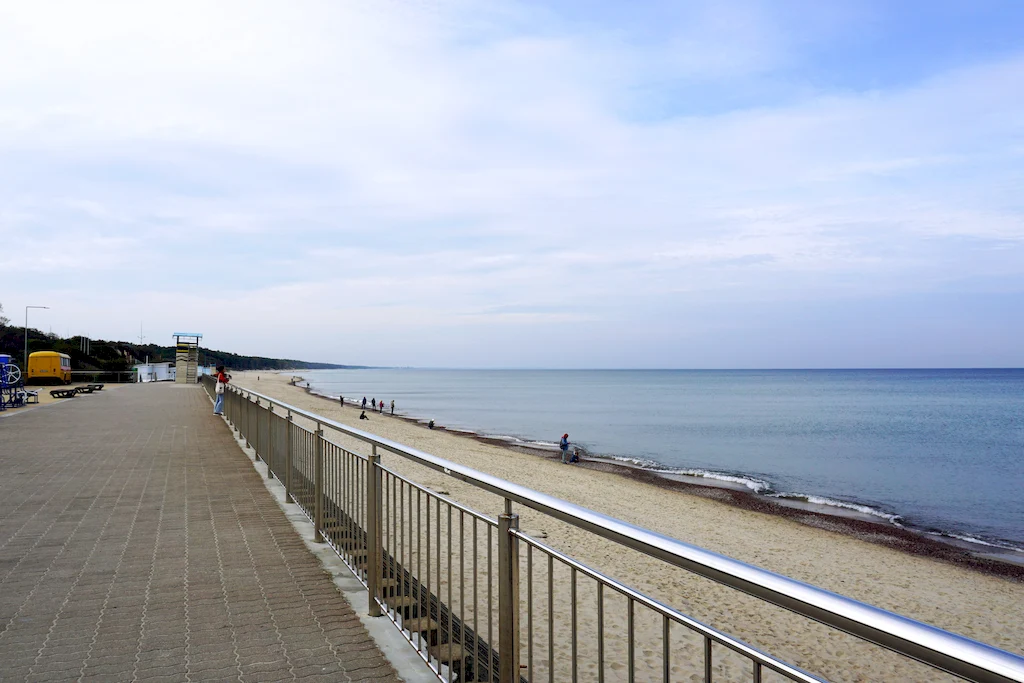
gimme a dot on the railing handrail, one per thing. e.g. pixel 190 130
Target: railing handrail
pixel 941 649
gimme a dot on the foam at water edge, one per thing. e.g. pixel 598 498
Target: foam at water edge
pixel 978 541
pixel 892 518
pixel 755 485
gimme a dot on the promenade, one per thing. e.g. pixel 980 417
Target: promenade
pixel 138 543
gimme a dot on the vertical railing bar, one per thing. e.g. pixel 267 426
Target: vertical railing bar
pixel 630 643
pixel 373 532
pixel 572 622
pixel 600 632
pixel 551 618
pixel 437 559
pixel 258 435
pixel 288 457
pixel 490 604
pixel 400 574
pixel 757 672
pixel 428 557
pixel 353 526
pixel 529 609
pixel 318 484
pixel 508 596
pixel 270 429
pixel 451 632
pixel 462 594
pixel 476 604
pixel 666 648
pixel 707 660
pixel 395 553
pixel 419 560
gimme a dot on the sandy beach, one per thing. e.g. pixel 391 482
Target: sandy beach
pixel 972 600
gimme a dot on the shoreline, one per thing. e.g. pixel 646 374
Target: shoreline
pixel 993 561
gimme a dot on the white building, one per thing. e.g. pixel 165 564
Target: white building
pixel 155 372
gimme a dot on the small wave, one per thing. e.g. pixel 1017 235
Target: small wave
pixel 843 505
pixel 978 541
pixel 755 485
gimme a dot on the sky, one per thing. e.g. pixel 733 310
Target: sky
pixel 447 183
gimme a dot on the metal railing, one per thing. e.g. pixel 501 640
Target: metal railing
pixel 458 585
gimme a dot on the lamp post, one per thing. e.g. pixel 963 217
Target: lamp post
pixel 26 335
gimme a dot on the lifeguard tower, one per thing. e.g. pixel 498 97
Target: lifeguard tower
pixel 186 357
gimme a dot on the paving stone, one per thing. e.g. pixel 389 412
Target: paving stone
pixel 145 545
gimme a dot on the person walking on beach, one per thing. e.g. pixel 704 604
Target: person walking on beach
pixel 392 406
pixel 564 445
pixel 219 389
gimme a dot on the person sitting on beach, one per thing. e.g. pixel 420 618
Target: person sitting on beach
pixel 430 425
pixel 362 416
pixel 564 445
pixel 392 406
pixel 575 456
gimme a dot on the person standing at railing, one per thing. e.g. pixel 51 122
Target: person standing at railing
pixel 219 389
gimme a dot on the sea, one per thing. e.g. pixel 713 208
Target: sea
pixel 937 451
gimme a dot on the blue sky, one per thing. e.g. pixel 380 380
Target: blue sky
pixel 527 184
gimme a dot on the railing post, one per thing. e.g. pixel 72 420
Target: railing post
pixel 270 446
pixel 373 503
pixel 318 485
pixel 248 426
pixel 258 440
pixel 508 596
pixel 288 460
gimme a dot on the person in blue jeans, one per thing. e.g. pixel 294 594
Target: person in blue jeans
pixel 564 445
pixel 221 387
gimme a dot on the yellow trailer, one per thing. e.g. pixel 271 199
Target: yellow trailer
pixel 49 366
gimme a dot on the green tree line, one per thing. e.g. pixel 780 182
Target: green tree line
pixel 118 355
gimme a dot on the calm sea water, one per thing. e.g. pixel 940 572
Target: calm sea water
pixel 937 450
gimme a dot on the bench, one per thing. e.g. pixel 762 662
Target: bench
pixel 83 390
pixel 95 387
pixel 63 393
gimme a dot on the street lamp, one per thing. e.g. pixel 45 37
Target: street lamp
pixel 26 334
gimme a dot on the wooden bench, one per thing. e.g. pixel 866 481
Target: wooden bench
pixel 63 393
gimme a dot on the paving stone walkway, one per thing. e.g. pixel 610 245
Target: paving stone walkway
pixel 138 543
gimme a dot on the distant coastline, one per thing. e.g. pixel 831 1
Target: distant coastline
pixel 874 528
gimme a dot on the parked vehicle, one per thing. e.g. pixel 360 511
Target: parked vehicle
pixel 49 367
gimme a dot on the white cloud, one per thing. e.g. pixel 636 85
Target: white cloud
pixel 409 166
